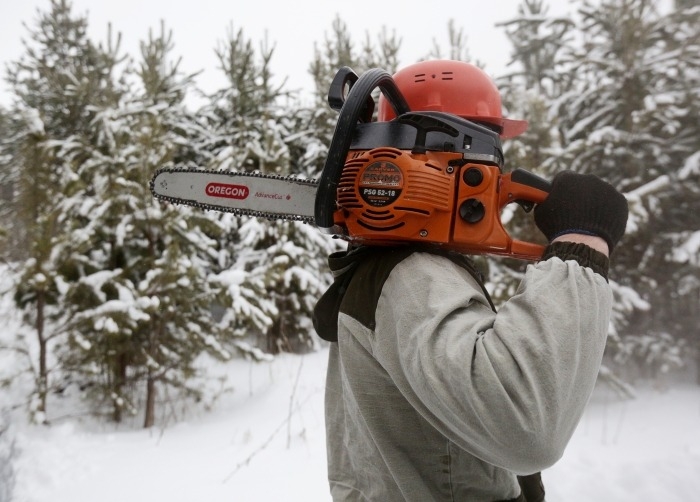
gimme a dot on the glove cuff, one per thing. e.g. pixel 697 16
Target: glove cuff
pixel 595 232
pixel 584 255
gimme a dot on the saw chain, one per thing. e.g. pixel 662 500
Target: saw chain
pixel 233 176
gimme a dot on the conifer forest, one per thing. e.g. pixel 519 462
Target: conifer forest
pixel 118 300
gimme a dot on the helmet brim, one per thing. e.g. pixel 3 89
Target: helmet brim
pixel 513 128
pixel 506 128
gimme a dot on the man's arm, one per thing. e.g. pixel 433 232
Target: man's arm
pixel 509 387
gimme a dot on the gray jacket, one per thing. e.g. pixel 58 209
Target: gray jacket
pixel 431 395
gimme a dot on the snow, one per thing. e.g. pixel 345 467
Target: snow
pixel 264 441
pixel 689 251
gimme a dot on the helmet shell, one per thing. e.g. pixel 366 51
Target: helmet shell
pixel 455 87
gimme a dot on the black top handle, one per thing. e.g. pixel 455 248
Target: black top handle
pixel 353 109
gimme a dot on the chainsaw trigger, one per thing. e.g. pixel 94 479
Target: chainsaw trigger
pixel 527 205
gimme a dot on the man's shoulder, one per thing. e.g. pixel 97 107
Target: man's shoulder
pixel 380 262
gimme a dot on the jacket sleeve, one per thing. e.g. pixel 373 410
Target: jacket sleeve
pixel 510 387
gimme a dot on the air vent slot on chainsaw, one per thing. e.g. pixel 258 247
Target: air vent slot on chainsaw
pixel 432 190
pixel 385 189
pixel 377 215
pixel 347 195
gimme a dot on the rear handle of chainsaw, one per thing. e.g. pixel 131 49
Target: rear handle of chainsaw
pixel 525 189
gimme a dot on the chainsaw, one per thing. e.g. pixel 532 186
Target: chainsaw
pixel 423 177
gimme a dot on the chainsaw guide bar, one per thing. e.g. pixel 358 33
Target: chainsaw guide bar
pixel 254 194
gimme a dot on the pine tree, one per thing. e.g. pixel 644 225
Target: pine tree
pixel 556 79
pixel 526 92
pixel 457 43
pixel 677 112
pixel 340 50
pixel 630 116
pixel 241 116
pixel 57 85
pixel 141 299
pixel 7 178
pixel 266 268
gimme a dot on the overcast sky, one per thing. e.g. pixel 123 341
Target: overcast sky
pixel 291 25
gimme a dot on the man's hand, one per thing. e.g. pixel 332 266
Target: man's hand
pixel 583 208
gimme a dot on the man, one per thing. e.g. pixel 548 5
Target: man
pixel 431 394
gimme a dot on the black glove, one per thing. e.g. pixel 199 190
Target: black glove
pixel 582 204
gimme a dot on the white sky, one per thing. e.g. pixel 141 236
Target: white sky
pixel 291 25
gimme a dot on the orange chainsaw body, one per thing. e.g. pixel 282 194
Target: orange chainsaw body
pixel 386 195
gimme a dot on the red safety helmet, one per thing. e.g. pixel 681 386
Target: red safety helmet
pixel 452 87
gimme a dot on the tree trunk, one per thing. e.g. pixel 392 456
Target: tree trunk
pixel 119 374
pixel 153 375
pixel 43 377
pixel 149 419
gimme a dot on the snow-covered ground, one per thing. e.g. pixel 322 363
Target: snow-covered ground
pixel 264 441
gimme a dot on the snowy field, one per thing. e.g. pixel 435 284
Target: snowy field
pixel 264 441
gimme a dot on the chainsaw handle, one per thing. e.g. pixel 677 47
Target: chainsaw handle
pixel 352 110
pixel 336 92
pixel 523 187
pixel 346 78
pixel 523 177
pixel 526 189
